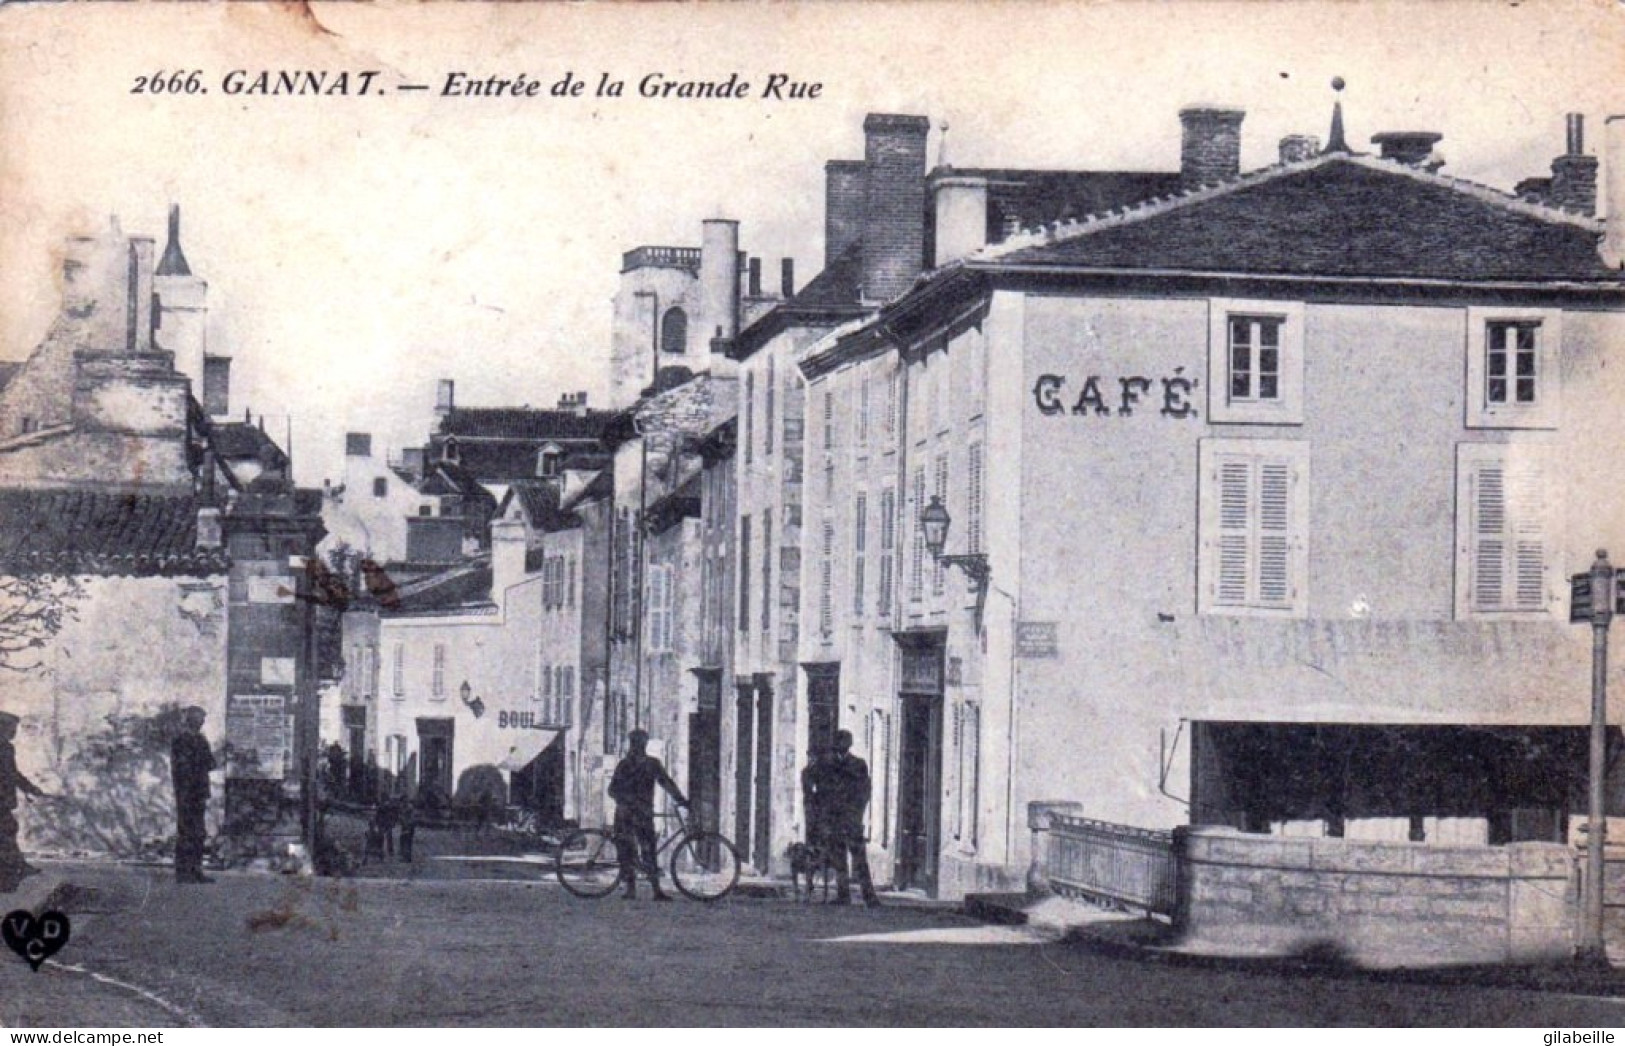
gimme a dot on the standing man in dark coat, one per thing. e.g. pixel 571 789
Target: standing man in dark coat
pixel 13 869
pixel 843 792
pixel 190 760
pixel 633 789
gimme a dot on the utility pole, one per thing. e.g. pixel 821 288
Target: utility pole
pixel 1593 600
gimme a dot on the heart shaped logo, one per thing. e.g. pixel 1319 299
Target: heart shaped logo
pixel 35 939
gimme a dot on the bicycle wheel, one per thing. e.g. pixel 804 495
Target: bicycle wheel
pixel 588 863
pixel 705 866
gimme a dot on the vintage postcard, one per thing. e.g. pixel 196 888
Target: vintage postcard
pixel 803 514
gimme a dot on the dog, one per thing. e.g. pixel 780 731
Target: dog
pixel 810 863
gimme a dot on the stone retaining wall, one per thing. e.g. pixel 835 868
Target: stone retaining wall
pixel 1383 904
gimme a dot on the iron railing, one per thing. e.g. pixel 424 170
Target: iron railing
pixel 1105 861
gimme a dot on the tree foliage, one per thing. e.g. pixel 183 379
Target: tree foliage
pixel 33 609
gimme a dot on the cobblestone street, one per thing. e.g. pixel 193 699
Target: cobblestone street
pixel 262 950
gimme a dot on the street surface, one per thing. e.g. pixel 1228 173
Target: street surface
pixel 257 949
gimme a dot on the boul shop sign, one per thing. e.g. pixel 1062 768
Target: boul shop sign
pixel 1095 395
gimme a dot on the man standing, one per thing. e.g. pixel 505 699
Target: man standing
pixel 13 869
pixel 633 789
pixel 843 793
pixel 190 760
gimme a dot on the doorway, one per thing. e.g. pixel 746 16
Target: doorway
pixel 919 765
pixel 823 706
pixel 705 751
pixel 435 765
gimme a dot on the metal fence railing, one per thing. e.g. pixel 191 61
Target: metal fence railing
pixel 1105 861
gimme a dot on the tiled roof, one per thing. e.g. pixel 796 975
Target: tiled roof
pixel 1041 197
pixel 451 477
pixel 523 423
pixel 84 532
pixel 464 586
pixel 1335 216
pixel 540 499
pixel 237 440
pixel 832 296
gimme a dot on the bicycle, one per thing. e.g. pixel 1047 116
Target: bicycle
pixel 704 864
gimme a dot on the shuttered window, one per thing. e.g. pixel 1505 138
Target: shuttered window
pixel 939 572
pixel 1254 527
pixel 973 498
pixel 860 548
pixel 826 582
pixel 745 578
pixel 1506 531
pixel 767 412
pixel 888 545
pixel 767 569
pixel 916 567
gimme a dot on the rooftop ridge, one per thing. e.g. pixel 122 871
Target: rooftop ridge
pixel 1056 232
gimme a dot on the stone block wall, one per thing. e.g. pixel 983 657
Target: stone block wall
pixel 1378 904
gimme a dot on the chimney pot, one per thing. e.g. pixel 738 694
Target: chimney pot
pixel 755 282
pixel 1576 134
pixel 1298 148
pixel 787 277
pixel 444 397
pixel 1210 144
pixel 1573 185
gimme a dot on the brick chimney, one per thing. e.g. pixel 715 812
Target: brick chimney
pixel 843 206
pixel 1574 174
pixel 1210 146
pixel 1298 148
pixel 893 203
pixel 1613 240
pixel 787 278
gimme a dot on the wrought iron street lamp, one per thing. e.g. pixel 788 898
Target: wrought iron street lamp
pixel 474 705
pixel 934 521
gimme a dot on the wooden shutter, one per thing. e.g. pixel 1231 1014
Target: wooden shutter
pixel 1509 533
pixel 1254 523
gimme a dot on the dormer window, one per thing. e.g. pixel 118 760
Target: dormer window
pixel 547 461
pixel 449 452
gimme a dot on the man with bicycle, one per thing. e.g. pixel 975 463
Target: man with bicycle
pixel 633 789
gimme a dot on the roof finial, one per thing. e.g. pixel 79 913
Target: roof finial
pixel 173 263
pixel 1335 142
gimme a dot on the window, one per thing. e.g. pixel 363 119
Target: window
pixel 438 687
pixel 380 487
pixel 425 510
pixel 674 332
pixel 939 571
pixel 973 498
pixel 750 414
pixel 660 609
pixel 916 567
pixel 399 684
pixel 1511 368
pixel 863 410
pixel 892 380
pixel 860 535
pixel 888 542
pixel 744 574
pixel 1255 362
pixel 547 682
pixel 1254 527
pixel 829 419
pixel 767 410
pixel 570 583
pixel 1505 522
pixel 547 462
pixel 826 569
pixel 767 569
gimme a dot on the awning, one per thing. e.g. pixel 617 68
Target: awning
pixel 525 745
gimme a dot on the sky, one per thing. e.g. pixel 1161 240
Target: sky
pixel 359 248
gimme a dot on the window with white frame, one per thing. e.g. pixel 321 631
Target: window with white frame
pixel 437 688
pixel 660 608
pixel 1255 362
pixel 1254 511
pixel 1506 528
pixel 1512 373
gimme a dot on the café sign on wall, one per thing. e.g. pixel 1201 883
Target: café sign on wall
pixel 1095 395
